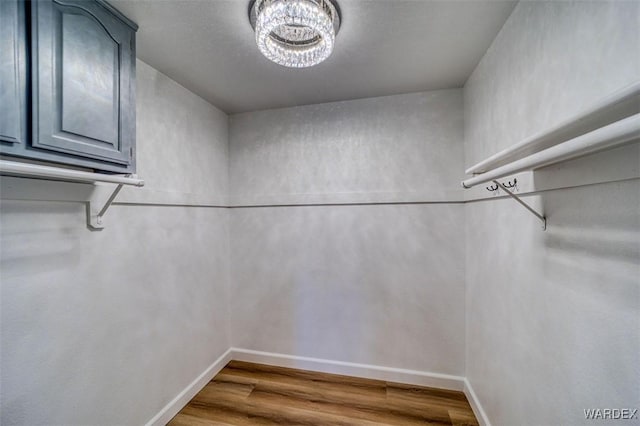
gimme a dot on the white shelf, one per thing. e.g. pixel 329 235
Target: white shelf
pixel 620 104
pixel 607 137
pixel 14 168
pixel 95 210
pixel 611 122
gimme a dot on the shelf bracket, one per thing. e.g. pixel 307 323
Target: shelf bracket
pixel 95 213
pixel 525 205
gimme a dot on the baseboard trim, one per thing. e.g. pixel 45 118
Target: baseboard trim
pixel 173 407
pixel 412 377
pixel 483 420
pixel 399 375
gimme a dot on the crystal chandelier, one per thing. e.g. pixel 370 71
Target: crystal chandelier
pixel 295 33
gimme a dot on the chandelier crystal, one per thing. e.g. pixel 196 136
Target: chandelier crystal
pixel 295 33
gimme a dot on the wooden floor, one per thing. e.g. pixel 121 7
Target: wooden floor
pixel 255 394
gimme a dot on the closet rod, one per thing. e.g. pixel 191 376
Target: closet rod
pixel 46 172
pixel 622 103
pixel 606 137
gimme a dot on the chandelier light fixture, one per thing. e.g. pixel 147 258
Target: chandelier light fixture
pixel 295 33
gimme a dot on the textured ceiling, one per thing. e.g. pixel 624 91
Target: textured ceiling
pixel 384 47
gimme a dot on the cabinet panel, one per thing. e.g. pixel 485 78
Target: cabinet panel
pixel 13 75
pixel 83 59
pixel 89 71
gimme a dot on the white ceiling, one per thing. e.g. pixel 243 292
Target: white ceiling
pixel 384 47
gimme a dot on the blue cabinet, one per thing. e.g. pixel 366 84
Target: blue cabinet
pixel 82 85
pixel 13 76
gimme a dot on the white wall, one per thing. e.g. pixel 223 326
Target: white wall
pixel 553 317
pixel 359 253
pixel 107 327
pixel 393 148
pixel 374 284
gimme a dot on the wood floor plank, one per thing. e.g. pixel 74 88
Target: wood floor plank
pixel 333 393
pixel 463 417
pixel 188 420
pixel 225 389
pixel 255 394
pixel 423 390
pixel 377 413
pixel 408 397
pixel 284 412
pixel 224 375
pixel 233 414
pixel 304 374
pixel 287 376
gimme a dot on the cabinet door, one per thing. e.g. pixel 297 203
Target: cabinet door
pixel 83 66
pixel 13 76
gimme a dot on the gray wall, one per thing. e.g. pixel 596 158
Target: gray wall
pixel 107 327
pixel 553 317
pixel 394 148
pixel 358 253
pixel 374 284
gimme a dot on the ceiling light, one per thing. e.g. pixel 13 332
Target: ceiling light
pixel 295 33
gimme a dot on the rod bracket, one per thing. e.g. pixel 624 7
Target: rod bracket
pixel 542 218
pixel 96 210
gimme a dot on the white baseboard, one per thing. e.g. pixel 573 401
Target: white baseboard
pixel 399 375
pixel 483 420
pixel 173 407
pixel 412 377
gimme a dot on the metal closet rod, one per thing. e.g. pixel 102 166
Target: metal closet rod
pixel 606 137
pixel 47 172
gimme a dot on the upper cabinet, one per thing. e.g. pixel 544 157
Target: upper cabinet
pixel 13 75
pixel 82 84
